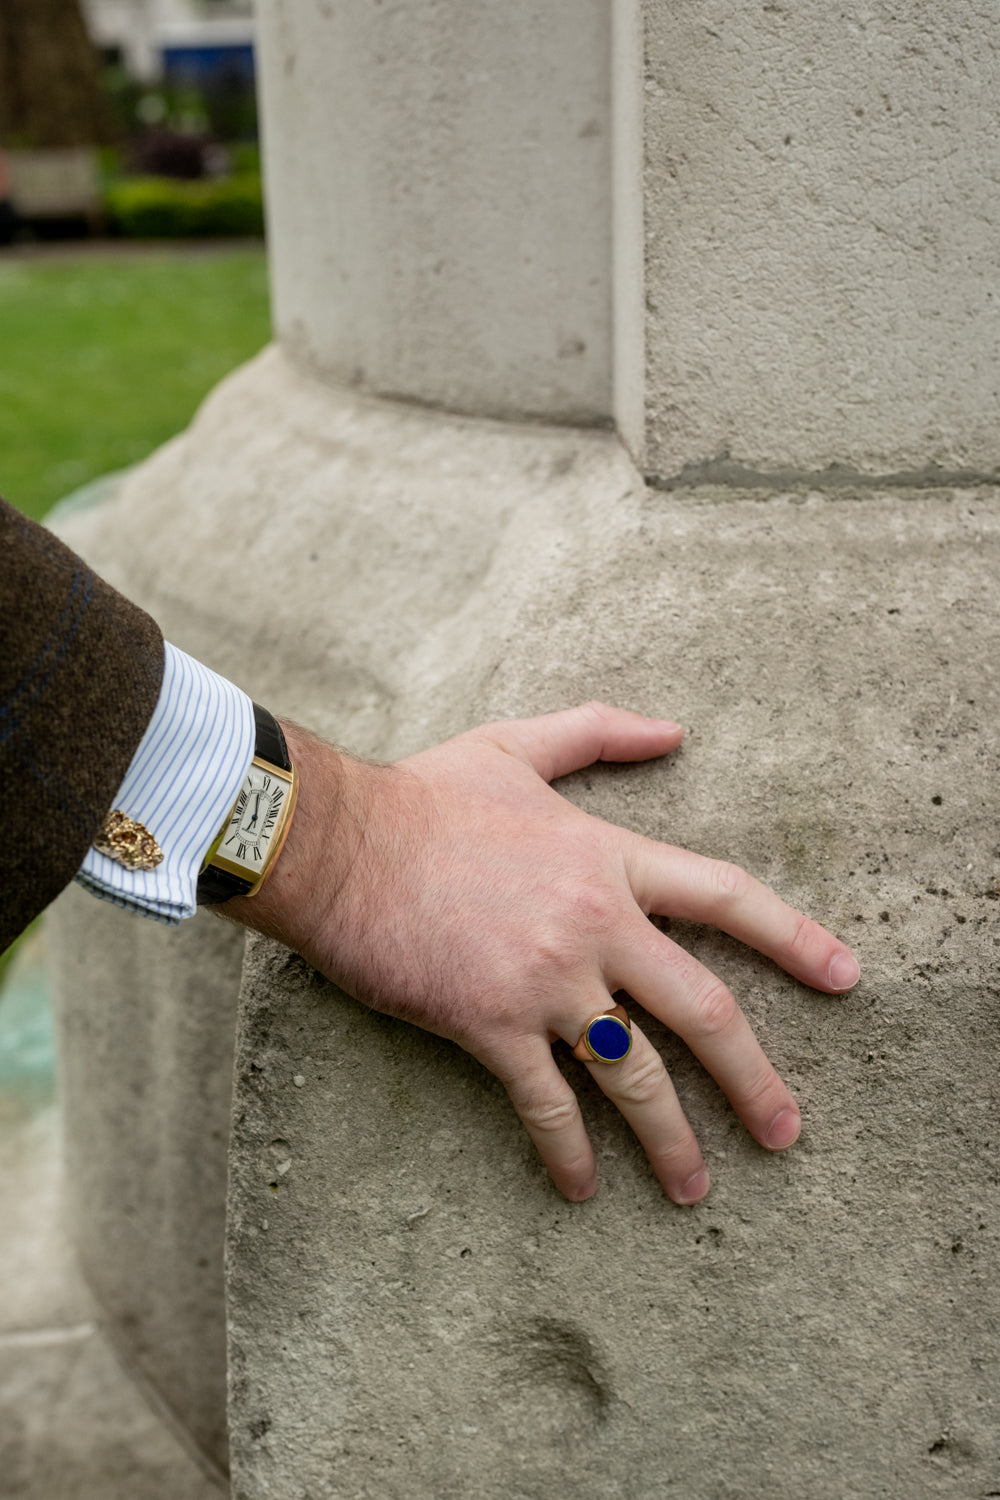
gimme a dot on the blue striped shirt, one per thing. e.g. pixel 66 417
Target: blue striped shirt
pixel 182 783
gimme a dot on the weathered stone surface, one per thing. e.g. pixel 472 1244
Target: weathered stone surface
pixel 77 1428
pixel 146 1019
pixel 414 1311
pixel 822 235
pixel 446 234
pixel 264 539
pixel 74 1426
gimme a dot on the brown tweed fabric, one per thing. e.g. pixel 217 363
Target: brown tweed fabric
pixel 80 673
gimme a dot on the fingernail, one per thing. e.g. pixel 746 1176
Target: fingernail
pixel 783 1130
pixel 695 1188
pixel 580 1193
pixel 844 971
pixel 668 724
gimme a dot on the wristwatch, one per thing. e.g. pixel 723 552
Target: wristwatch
pixel 250 840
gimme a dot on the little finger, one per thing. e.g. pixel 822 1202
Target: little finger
pixel 548 1110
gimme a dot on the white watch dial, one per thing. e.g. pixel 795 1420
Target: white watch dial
pixel 255 819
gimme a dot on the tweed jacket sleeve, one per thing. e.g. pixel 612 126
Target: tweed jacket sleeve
pixel 80 673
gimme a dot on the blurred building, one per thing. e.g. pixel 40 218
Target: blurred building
pixel 178 39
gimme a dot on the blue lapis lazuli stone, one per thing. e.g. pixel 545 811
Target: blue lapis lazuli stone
pixel 609 1038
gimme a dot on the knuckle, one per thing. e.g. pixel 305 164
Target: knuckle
pixel 715 1010
pixel 549 1116
pixel 644 1081
pixel 679 1156
pixel 592 909
pixel 760 1088
pixel 556 960
pixel 496 736
pixel 562 951
pixel 729 881
pixel 505 1010
pixel 595 709
pixel 802 936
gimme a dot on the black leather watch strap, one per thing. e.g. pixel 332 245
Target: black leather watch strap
pixel 215 885
pixel 270 744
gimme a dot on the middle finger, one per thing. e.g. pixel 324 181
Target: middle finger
pixel 688 998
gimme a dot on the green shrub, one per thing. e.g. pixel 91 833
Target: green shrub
pixel 166 208
pixel 244 155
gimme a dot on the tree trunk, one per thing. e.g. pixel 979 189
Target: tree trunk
pixel 49 93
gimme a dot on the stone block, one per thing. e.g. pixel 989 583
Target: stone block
pixel 822 235
pixel 413 1309
pixel 145 1018
pixel 439 182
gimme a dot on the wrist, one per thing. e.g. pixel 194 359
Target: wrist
pixel 247 846
pixel 323 841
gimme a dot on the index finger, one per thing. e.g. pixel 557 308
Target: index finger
pixel 672 882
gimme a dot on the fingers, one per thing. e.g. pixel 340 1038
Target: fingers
pixel 556 744
pixel 641 1088
pixel 548 1109
pixel 677 883
pixel 689 999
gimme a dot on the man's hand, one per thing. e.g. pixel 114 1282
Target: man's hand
pixel 458 891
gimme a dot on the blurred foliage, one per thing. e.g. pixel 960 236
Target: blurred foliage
pixel 178 158
pixel 167 208
pixel 244 156
pixel 187 163
pixel 225 109
pixel 104 359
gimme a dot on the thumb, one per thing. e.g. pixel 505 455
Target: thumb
pixel 555 744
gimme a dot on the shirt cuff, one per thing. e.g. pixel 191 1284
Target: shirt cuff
pixel 183 781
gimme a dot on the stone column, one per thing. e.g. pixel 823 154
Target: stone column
pixel 450 242
pixel 436 484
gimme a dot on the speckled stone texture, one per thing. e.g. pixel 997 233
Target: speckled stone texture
pixel 75 1424
pixel 413 1309
pixel 146 1016
pixel 440 199
pixel 823 227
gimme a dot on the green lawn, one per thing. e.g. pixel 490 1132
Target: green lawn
pixel 103 359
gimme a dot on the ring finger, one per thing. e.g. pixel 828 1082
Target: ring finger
pixel 640 1087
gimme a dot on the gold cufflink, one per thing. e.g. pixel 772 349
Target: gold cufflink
pixel 127 842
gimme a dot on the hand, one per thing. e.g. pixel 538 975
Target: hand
pixel 457 890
